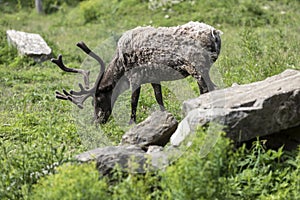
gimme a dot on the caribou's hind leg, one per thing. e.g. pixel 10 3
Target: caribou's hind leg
pixel 202 86
pixel 204 82
pixel 158 95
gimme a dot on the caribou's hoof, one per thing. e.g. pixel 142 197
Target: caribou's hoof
pixel 132 121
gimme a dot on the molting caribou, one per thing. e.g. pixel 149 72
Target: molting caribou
pixel 148 55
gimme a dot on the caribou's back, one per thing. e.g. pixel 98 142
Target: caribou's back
pixel 151 55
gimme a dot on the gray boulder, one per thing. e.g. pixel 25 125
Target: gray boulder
pixel 107 158
pixel 246 111
pixel 155 130
pixel 129 158
pixel 29 44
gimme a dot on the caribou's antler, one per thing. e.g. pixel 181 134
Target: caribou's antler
pixel 61 65
pixel 78 98
pixel 83 47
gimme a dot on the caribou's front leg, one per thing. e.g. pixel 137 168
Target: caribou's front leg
pixel 158 95
pixel 134 103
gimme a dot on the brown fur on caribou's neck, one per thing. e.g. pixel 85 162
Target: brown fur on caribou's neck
pixel 111 75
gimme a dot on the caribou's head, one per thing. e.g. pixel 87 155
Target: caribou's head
pixel 102 106
pixel 101 97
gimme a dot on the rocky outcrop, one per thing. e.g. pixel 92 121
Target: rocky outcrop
pixel 141 148
pixel 269 109
pixel 29 44
pixel 246 111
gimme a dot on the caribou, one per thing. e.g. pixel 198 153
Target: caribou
pixel 147 55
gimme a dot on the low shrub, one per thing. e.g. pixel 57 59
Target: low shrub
pixel 224 173
pixel 72 182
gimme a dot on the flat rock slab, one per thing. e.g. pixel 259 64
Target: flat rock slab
pixel 29 44
pixel 246 111
pixel 93 154
pixel 155 130
pixel 128 158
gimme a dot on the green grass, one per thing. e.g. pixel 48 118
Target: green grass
pixel 39 133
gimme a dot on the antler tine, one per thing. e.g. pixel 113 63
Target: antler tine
pixel 60 64
pixel 87 50
pixel 77 98
pixel 61 96
pixel 83 91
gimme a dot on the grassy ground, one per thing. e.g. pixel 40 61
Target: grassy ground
pixel 38 133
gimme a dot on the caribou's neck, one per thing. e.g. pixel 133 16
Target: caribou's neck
pixel 111 76
pixel 113 81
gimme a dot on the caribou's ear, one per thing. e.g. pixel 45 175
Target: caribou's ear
pixel 218 32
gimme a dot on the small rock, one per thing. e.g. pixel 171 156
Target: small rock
pixel 29 44
pixel 155 130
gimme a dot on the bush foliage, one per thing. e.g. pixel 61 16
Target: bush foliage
pixel 255 173
pixel 49 6
pixel 39 136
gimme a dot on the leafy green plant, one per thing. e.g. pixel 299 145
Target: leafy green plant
pixel 94 10
pixel 6 52
pixel 260 173
pixel 72 182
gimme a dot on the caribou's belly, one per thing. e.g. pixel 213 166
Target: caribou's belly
pixel 154 74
